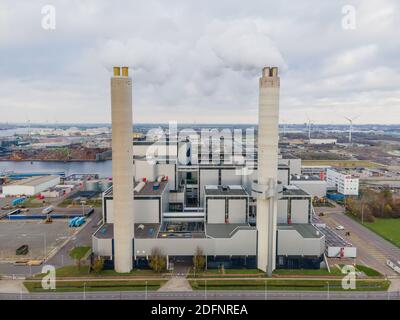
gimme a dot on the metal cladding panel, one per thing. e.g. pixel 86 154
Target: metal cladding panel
pixel 283 176
pixel 295 166
pixel 110 212
pixel 291 243
pixel 229 177
pixel 147 211
pixel 282 211
pixel 102 247
pixel 140 150
pixel 312 187
pixel 144 169
pixel 207 177
pixel 216 211
pixel 243 242
pixel 300 211
pixel 237 211
pixel 168 170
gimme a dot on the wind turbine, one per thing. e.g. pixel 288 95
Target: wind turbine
pixel 350 120
pixel 283 127
pixel 309 127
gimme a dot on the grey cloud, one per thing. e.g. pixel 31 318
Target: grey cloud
pixel 199 60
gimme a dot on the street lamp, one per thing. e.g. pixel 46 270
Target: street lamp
pixel 328 289
pixel 83 207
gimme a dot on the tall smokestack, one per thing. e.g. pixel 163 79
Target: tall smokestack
pixel 122 169
pixel 268 118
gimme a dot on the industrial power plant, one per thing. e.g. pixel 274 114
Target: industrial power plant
pixel 256 220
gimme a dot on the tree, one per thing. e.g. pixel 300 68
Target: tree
pixel 98 265
pixel 158 261
pixel 199 260
pixel 78 253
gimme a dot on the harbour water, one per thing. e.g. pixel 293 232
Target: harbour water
pixel 102 168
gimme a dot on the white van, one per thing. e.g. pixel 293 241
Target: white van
pixel 47 210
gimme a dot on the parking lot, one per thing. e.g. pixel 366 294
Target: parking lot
pixel 40 237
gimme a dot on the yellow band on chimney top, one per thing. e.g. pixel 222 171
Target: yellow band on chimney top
pixel 117 71
pixel 124 71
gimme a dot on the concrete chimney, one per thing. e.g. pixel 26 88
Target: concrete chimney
pixel 122 169
pixel 268 118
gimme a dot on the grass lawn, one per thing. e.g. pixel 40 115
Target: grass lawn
pixel 319 272
pixel 90 202
pixel 368 271
pixel 227 272
pixel 79 252
pixel 388 229
pixel 32 202
pixel 74 272
pixel 74 286
pixel 342 163
pixel 286 284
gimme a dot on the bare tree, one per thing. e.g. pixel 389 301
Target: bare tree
pixel 98 265
pixel 199 259
pixel 157 260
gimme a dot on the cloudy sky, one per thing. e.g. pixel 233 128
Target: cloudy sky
pixel 198 61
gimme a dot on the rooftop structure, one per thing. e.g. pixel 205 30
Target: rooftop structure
pixel 215 190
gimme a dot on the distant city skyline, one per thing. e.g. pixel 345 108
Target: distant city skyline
pixel 199 62
pixel 108 124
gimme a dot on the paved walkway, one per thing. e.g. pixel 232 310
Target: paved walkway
pixel 176 284
pixel 12 286
pixel 394 285
pixel 178 281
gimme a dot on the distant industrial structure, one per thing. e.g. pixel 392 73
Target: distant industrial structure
pixel 30 186
pixel 345 182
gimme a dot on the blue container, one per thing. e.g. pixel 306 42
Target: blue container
pixel 17 201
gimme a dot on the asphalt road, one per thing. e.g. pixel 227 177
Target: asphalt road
pixel 372 250
pixel 206 295
pixel 61 257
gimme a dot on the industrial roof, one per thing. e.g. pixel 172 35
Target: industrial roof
pixel 218 190
pixel 332 239
pixel 224 230
pixel 105 232
pixel 146 230
pixel 292 190
pixel 305 230
pixel 142 230
pixel 32 181
pixel 296 177
pixel 147 190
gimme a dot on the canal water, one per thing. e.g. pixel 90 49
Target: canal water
pixel 102 168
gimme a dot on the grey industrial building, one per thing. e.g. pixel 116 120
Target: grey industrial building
pixel 238 220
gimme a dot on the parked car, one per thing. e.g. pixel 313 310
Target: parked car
pixel 22 250
pixel 339 227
